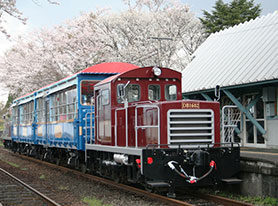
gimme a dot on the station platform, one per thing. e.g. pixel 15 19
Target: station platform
pixel 259 172
pixel 259 154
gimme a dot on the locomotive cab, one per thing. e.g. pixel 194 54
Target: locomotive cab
pixel 128 105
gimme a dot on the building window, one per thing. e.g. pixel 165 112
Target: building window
pixel 253 135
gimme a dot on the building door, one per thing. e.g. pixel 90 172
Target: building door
pixel 252 136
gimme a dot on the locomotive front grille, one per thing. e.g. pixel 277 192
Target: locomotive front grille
pixel 189 127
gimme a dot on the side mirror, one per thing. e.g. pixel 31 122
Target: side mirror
pixel 217 92
pixel 121 90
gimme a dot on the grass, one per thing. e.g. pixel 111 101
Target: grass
pixel 92 201
pixel 42 177
pixel 11 163
pixel 24 169
pixel 14 165
pixel 63 187
pixel 259 201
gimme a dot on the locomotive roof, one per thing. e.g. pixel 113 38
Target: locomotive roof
pixel 142 72
pixel 103 68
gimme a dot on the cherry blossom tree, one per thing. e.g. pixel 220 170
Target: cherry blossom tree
pixel 8 7
pixel 148 32
pixel 48 55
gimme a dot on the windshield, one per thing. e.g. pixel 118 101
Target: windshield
pixel 87 92
pixel 132 93
pixel 171 92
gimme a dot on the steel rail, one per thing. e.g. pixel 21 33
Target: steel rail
pixel 224 200
pixel 30 188
pixel 127 188
pixel 219 199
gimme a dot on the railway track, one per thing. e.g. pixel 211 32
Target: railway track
pixel 207 199
pixel 218 199
pixel 16 192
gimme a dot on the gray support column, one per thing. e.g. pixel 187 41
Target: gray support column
pixel 207 97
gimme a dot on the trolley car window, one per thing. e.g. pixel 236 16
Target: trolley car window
pixel 15 115
pixel 27 115
pixel 55 107
pixel 154 92
pixel 171 92
pixel 132 93
pixel 40 110
pixel 64 105
pixel 71 104
pixel 87 92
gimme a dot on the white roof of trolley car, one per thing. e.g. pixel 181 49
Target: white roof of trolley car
pixel 242 54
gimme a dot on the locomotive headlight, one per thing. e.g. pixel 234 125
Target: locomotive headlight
pixel 156 71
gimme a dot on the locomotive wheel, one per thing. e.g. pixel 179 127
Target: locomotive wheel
pixel 77 164
pixel 116 177
pixel 41 155
pixel 57 161
pixel 83 168
pixel 149 188
pixel 19 149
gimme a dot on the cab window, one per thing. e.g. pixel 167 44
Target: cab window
pixel 154 92
pixel 105 97
pixel 132 93
pixel 87 92
pixel 171 92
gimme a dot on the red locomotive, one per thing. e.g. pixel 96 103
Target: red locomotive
pixel 146 133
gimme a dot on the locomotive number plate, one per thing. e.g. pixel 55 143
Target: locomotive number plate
pixel 186 105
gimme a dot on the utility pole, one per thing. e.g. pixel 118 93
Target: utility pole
pixel 159 39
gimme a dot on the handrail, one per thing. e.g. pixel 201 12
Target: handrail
pixel 143 102
pixel 231 123
pixel 91 126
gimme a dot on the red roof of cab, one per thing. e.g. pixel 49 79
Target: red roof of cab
pixel 103 68
pixel 142 72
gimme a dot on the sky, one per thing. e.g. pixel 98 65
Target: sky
pixel 42 14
